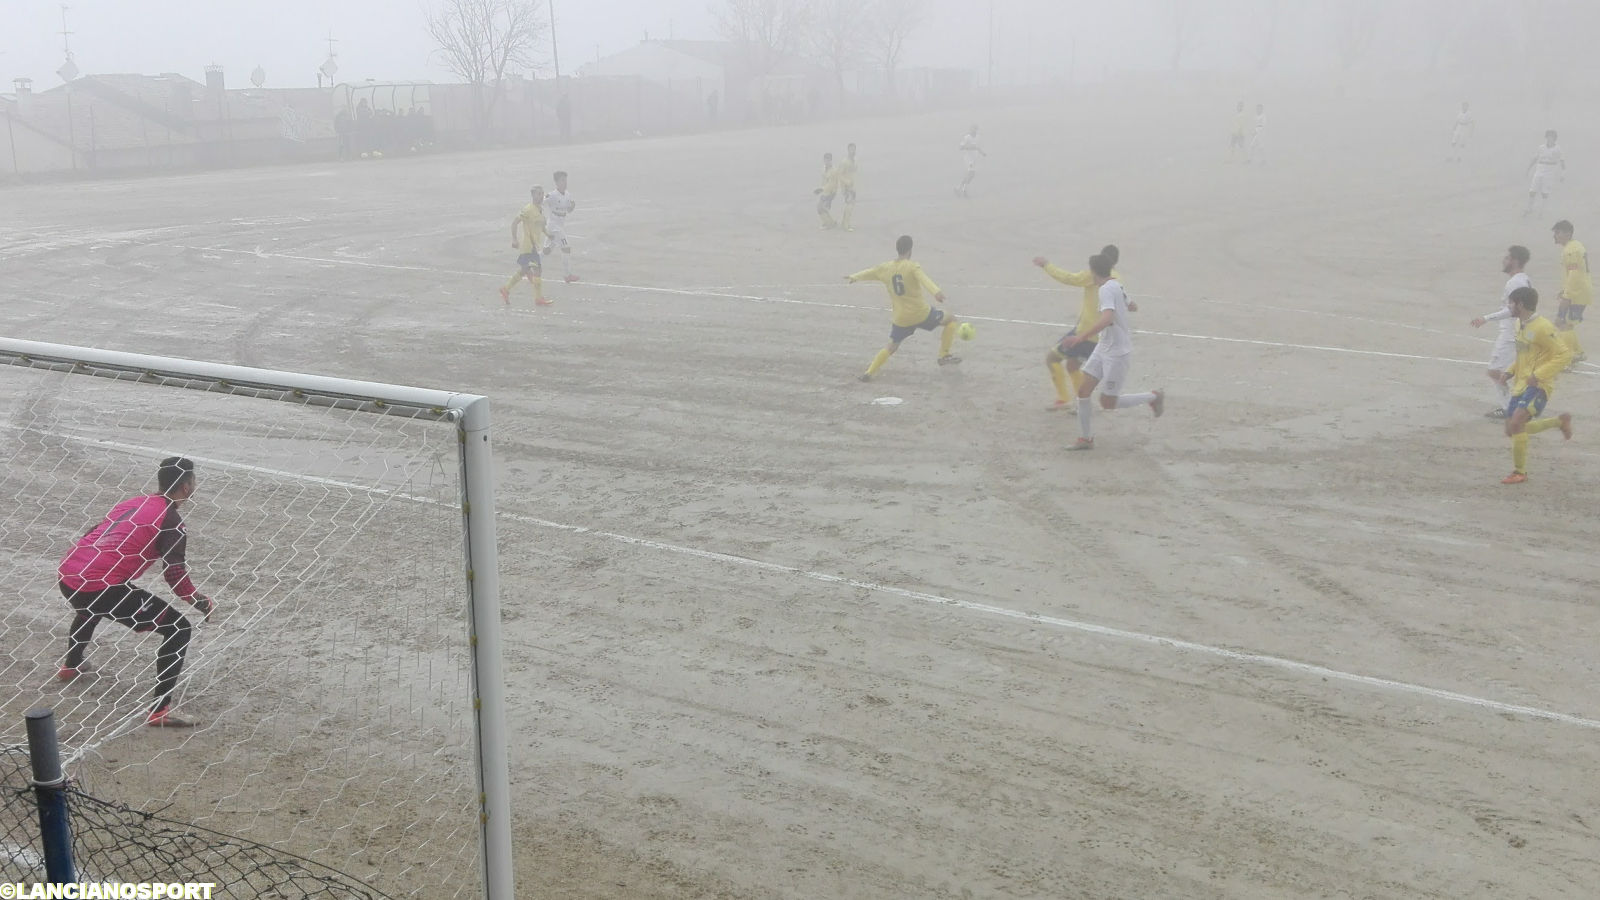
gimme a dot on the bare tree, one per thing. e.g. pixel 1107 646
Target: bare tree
pixel 1273 17
pixel 768 30
pixel 1356 28
pixel 1182 20
pixel 481 40
pixel 894 21
pixel 837 37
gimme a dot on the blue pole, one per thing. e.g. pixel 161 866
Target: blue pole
pixel 50 786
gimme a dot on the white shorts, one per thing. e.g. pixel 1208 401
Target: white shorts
pixel 1458 138
pixel 972 164
pixel 1504 353
pixel 555 240
pixel 1543 181
pixel 1110 371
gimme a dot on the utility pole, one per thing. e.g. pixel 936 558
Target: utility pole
pixel 68 71
pixel 331 64
pixel 991 43
pixel 555 50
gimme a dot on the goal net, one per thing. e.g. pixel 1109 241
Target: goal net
pixel 338 684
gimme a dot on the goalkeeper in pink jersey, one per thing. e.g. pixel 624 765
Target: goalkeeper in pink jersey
pixel 97 580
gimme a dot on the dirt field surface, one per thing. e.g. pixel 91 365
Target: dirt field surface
pixel 1293 639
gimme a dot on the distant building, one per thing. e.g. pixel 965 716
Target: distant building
pixel 158 121
pixel 723 78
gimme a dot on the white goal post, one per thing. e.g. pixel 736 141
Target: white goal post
pixel 469 413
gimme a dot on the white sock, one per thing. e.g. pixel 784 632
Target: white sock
pixel 566 262
pixel 1503 393
pixel 1085 417
pixel 1127 400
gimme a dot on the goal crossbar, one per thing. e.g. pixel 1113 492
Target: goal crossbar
pixel 470 414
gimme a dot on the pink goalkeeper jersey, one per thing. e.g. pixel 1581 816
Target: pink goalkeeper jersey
pixel 136 534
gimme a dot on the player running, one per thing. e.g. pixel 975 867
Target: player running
pixel 531 224
pixel 827 191
pixel 910 313
pixel 970 151
pixel 558 204
pixel 1577 288
pixel 1257 152
pixel 1067 362
pixel 1236 137
pixel 1547 164
pixel 1505 343
pixel 847 186
pixel 1108 366
pixel 1461 132
pixel 97 579
pixel 1540 358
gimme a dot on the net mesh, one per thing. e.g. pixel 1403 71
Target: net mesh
pixel 333 683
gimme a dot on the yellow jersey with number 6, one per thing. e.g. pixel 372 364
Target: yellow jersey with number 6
pixel 906 283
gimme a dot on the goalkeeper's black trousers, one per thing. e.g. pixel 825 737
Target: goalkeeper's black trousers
pixel 140 610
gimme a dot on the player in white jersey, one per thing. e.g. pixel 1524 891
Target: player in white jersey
pixel 558 204
pixel 1546 166
pixel 1504 353
pixel 970 151
pixel 1108 366
pixel 1462 130
pixel 1257 152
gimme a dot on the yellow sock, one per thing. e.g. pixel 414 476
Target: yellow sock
pixel 849 210
pixel 827 220
pixel 1077 380
pixel 1519 453
pixel 878 361
pixel 947 337
pixel 514 279
pixel 538 287
pixel 1058 376
pixel 1545 424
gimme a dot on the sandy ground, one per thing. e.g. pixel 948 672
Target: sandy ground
pixel 1274 644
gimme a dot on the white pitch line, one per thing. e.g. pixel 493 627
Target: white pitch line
pixel 756 298
pixel 1240 656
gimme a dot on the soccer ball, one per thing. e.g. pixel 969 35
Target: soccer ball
pixel 966 331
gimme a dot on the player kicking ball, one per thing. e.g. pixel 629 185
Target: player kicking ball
pixel 530 224
pixel 1066 363
pixel 910 313
pixel 1108 366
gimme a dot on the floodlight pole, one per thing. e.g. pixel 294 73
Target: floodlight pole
pixel 555 51
pixel 991 44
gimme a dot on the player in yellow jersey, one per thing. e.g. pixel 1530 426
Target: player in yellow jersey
pixel 906 283
pixel 1236 137
pixel 1541 356
pixel 827 191
pixel 847 186
pixel 530 224
pixel 1066 362
pixel 1577 288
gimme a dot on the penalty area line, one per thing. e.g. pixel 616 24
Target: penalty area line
pixel 756 298
pixel 1245 657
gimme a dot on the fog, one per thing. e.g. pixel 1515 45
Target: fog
pixel 1032 40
